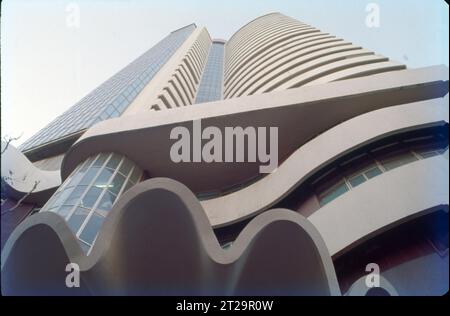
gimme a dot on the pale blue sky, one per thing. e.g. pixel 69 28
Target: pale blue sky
pixel 47 66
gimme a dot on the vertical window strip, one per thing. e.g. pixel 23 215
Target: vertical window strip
pixel 89 185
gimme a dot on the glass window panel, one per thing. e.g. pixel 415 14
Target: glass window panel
pixel 427 154
pixel 227 245
pixel 398 160
pixel 89 175
pixel 128 186
pixel 336 191
pixel 51 202
pixel 61 197
pixel 64 210
pixel 355 181
pixel 92 228
pixel 101 159
pixel 120 107
pixel 116 103
pixel 109 110
pixel 76 178
pixel 85 110
pixel 91 197
pixel 87 164
pixel 113 161
pixel 126 166
pixel 373 172
pixel 115 114
pixel 107 201
pixel 123 104
pixel 103 178
pixel 74 197
pixel 69 178
pixel 77 218
pixel 104 116
pixel 120 98
pixel 116 183
pixel 136 175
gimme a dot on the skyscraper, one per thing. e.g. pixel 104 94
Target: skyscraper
pixel 362 173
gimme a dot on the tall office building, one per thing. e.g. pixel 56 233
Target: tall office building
pixel 362 175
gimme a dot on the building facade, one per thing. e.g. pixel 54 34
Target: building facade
pixel 362 174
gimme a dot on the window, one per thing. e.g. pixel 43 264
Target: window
pixel 103 178
pixel 116 184
pixel 125 167
pixel 361 176
pixel 75 195
pixel 373 172
pixel 89 175
pixel 149 62
pixel 395 161
pixel 357 180
pixel 64 210
pixel 226 245
pixel 363 166
pixel 94 187
pixel 91 197
pixel 92 228
pixel 77 218
pixel 107 201
pixel 332 193
pixel 429 152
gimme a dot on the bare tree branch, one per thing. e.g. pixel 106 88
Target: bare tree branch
pixel 22 198
pixel 8 140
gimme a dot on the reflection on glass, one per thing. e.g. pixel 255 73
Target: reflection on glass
pixel 77 218
pixel 92 227
pixel 334 192
pixel 107 201
pixel 355 181
pixel 93 189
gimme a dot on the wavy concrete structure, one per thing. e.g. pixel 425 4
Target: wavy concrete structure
pixel 362 163
pixel 183 257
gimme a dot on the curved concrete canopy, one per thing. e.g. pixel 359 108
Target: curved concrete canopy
pixel 319 152
pixel 144 137
pixel 23 177
pixel 157 240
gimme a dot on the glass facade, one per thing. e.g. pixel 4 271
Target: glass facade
pixel 210 88
pixel 111 98
pixel 88 194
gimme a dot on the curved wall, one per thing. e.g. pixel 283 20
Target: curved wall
pixel 388 199
pixel 323 149
pixel 145 137
pixel 276 52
